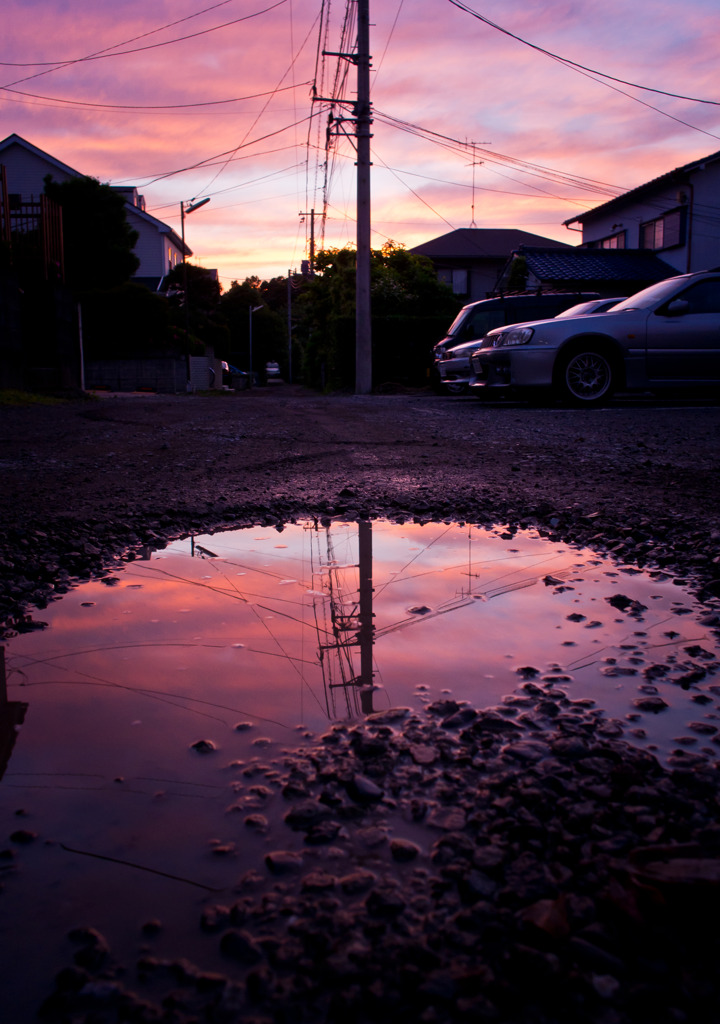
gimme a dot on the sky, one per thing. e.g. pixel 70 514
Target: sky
pixel 477 122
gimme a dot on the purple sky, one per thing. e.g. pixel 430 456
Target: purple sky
pixel 121 109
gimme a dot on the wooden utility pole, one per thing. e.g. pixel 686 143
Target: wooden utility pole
pixel 363 120
pixel 311 252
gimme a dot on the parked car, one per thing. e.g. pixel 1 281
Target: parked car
pixel 477 318
pixel 665 336
pixel 233 378
pixel 272 373
pixel 455 369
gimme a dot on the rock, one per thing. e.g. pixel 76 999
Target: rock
pixel 203 746
pixel 403 850
pixel 283 862
pixel 363 790
pixel 652 704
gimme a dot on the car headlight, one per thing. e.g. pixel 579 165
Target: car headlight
pixel 519 336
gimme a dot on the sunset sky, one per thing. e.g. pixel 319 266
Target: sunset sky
pixel 193 98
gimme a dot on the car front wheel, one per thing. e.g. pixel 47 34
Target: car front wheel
pixel 456 388
pixel 586 377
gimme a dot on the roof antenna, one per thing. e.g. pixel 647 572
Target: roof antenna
pixel 474 165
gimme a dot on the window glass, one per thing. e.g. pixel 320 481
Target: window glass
pixel 459 282
pixel 663 232
pixel 483 320
pixel 704 297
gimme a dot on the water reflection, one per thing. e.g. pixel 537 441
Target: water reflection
pixel 12 715
pixel 311 624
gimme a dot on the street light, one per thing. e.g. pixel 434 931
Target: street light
pixel 251 310
pixel 188 207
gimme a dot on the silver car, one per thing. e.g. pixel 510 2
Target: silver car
pixel 665 336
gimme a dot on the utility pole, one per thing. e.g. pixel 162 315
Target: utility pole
pixel 363 120
pixel 289 324
pixel 311 253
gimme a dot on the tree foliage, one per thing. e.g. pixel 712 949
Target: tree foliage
pixel 410 309
pixel 97 239
pixel 268 299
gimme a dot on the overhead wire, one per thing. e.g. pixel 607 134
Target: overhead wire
pixel 125 42
pixel 103 54
pixel 574 64
pixel 598 76
pixel 157 107
pixel 269 100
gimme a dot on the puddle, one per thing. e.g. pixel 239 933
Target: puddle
pixel 156 701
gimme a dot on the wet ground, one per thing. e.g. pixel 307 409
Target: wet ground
pixel 445 856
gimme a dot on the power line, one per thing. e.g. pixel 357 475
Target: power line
pixel 139 107
pixel 272 94
pixel 103 54
pixel 125 42
pixel 537 170
pixel 218 156
pixel 574 64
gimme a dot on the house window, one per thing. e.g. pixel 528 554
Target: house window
pixel 616 241
pixel 455 279
pixel 460 282
pixel 663 232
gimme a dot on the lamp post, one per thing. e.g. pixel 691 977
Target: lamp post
pixel 251 310
pixel 186 208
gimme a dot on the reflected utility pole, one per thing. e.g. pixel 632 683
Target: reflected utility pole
pixel 366 632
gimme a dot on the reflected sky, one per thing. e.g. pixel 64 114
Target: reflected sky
pixel 264 626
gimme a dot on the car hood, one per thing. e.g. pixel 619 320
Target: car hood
pixel 595 323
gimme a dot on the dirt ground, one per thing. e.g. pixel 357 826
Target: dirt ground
pixel 91 477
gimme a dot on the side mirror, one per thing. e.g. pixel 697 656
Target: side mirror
pixel 678 307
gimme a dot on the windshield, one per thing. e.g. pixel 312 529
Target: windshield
pixel 650 296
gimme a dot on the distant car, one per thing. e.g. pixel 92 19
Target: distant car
pixel 455 369
pixel 233 378
pixel 272 373
pixel 665 336
pixel 477 318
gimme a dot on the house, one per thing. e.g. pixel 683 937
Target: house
pixel 158 247
pixel 470 260
pixel 609 272
pixel 675 216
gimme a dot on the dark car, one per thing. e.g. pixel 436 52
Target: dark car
pixel 665 336
pixel 233 378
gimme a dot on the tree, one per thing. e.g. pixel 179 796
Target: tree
pixel 410 311
pixel 269 330
pixel 97 239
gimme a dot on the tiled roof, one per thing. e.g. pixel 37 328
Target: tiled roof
pixel 490 243
pixel 678 176
pixel 562 265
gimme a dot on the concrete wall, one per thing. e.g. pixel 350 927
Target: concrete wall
pixel 166 375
